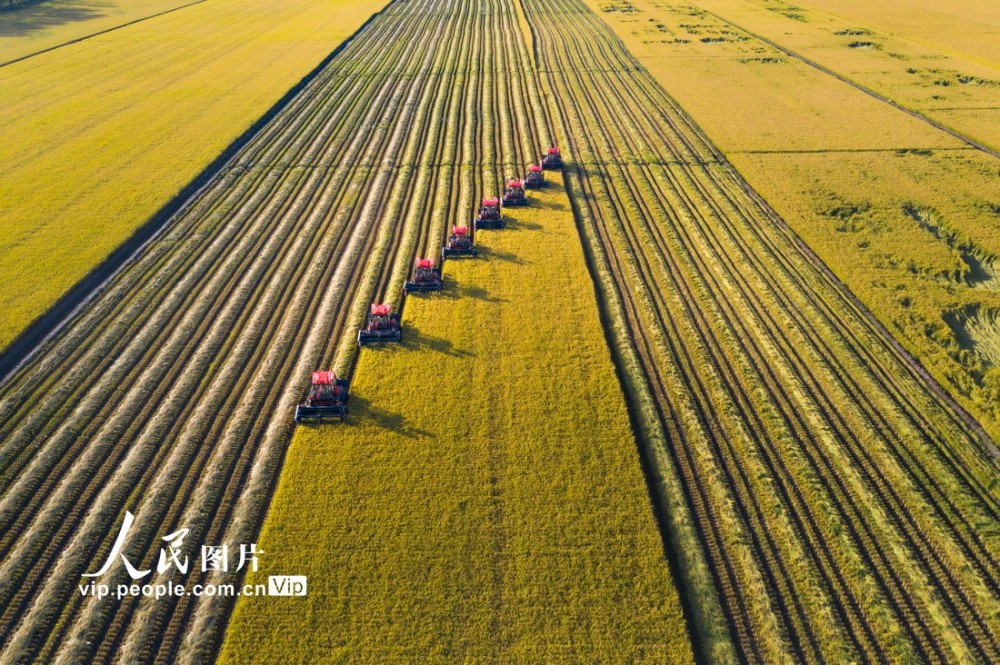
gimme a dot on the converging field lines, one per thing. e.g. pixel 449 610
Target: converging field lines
pixel 795 404
pixel 826 498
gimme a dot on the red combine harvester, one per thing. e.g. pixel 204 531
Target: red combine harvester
pixel 382 325
pixel 327 398
pixel 535 178
pixel 552 161
pixel 489 215
pixel 426 277
pixel 459 243
pixel 514 194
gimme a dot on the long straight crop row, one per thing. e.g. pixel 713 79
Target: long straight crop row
pixel 170 394
pixel 836 495
pixel 458 516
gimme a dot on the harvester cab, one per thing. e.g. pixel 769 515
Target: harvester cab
pixel 327 398
pixel 535 178
pixel 382 325
pixel 426 277
pixel 514 194
pixel 459 243
pixel 552 159
pixel 489 215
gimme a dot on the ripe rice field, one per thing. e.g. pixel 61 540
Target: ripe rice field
pixel 43 26
pixel 856 178
pixel 930 58
pixel 487 529
pixel 102 134
pixel 647 424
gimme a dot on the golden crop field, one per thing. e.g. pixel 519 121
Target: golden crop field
pixel 42 26
pixel 935 62
pixel 475 510
pixel 727 392
pixel 903 213
pixel 97 136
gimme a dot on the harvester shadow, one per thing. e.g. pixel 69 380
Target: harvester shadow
pixel 487 254
pixel 476 292
pixel 455 290
pixel 552 205
pixel 414 340
pixel 386 419
pixel 515 224
pixel 41 15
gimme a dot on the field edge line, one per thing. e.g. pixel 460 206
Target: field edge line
pixel 27 343
pixel 710 637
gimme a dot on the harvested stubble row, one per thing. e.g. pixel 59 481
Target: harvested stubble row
pixel 171 393
pixel 903 213
pixel 846 510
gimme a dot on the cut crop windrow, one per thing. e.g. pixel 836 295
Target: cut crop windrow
pixel 331 144
pixel 832 493
pixel 663 200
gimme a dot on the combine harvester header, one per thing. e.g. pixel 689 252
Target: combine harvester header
pixel 535 178
pixel 426 277
pixel 514 195
pixel 459 243
pixel 327 398
pixel 489 215
pixel 552 161
pixel 382 325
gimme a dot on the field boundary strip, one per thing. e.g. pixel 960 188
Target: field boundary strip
pixel 77 40
pixel 854 84
pixel 23 347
